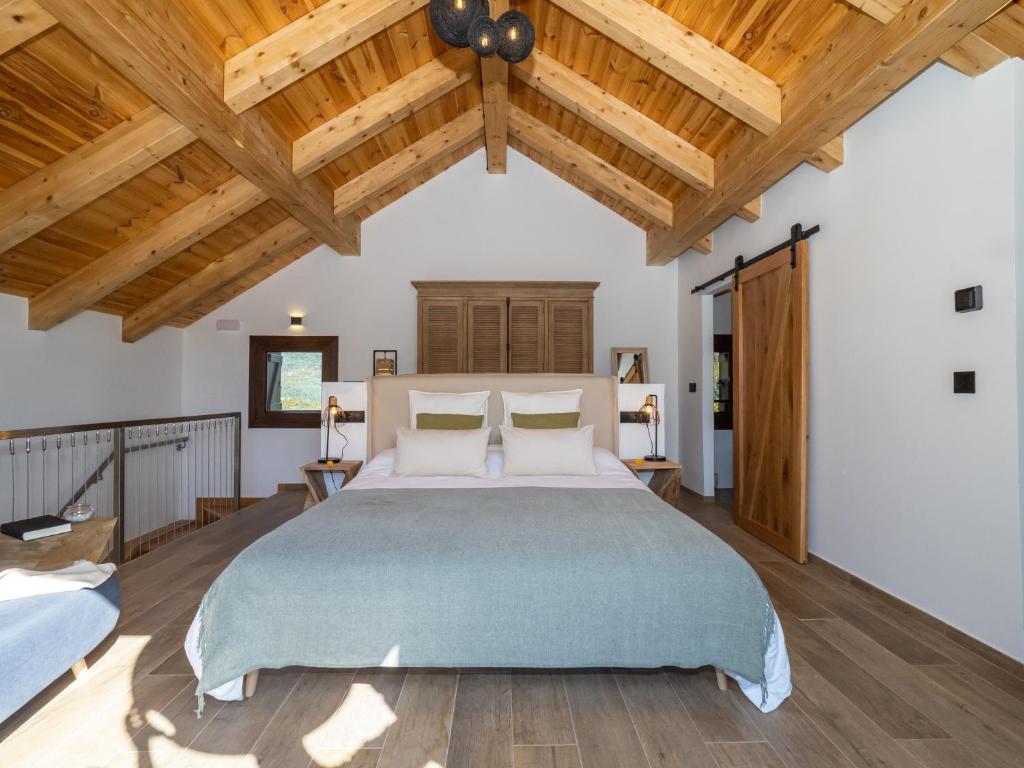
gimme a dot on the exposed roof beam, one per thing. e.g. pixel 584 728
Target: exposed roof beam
pixel 619 120
pixel 398 167
pixel 563 152
pixel 21 20
pixel 751 211
pixel 158 48
pixel 1005 30
pixel 307 44
pixel 830 156
pixel 261 250
pixel 685 56
pixel 86 173
pixel 383 109
pixel 148 249
pixel 826 95
pixel 704 245
pixel 494 95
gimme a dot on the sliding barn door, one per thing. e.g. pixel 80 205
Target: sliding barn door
pixel 770 394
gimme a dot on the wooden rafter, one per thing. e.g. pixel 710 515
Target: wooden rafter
pixel 21 20
pixel 86 173
pixel 619 120
pixel 143 252
pixel 685 56
pixel 826 95
pixel 751 211
pixel 494 92
pixel 261 250
pixel 830 156
pixel 306 44
pixel 158 48
pixel 704 245
pixel 383 109
pixel 417 156
pixel 1005 30
pixel 563 152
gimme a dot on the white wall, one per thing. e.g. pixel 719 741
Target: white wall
pixel 80 371
pixel 912 488
pixel 463 225
pixel 1019 230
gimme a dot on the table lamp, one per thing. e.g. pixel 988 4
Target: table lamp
pixel 649 410
pixel 332 413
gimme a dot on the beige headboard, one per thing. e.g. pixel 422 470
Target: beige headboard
pixel 388 404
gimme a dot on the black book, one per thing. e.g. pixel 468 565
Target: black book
pixel 36 527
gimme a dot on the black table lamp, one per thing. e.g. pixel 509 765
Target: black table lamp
pixel 332 413
pixel 649 410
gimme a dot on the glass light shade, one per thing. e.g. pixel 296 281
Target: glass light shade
pixel 451 19
pixel 483 36
pixel 516 36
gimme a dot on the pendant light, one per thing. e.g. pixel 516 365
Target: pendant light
pixel 467 23
pixel 483 36
pixel 451 19
pixel 516 34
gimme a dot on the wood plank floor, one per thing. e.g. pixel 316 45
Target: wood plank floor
pixel 876 686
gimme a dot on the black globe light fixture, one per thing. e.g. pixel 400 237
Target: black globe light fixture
pixel 467 23
pixel 483 36
pixel 451 19
pixel 517 36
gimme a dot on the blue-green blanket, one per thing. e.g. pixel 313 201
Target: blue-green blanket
pixel 517 577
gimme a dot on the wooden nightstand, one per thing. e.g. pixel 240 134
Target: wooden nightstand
pixel 87 541
pixel 313 474
pixel 666 479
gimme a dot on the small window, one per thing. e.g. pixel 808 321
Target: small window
pixel 285 373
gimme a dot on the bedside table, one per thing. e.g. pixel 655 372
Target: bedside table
pixel 87 541
pixel 313 474
pixel 665 481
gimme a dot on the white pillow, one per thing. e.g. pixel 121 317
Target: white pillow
pixel 428 452
pixel 466 403
pixel 549 451
pixel 541 402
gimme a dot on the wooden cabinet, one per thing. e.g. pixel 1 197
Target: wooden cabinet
pixel 505 327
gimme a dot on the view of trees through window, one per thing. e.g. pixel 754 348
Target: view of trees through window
pixel 293 381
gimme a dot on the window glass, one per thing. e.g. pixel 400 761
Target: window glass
pixel 293 381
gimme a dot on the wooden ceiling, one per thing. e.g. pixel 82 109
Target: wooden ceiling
pixel 157 159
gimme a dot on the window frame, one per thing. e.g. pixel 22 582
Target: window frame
pixel 259 347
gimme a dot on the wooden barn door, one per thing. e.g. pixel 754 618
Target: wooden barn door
pixel 770 337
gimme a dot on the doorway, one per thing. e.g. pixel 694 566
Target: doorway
pixel 721 393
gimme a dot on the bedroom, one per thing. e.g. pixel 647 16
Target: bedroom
pixel 900 133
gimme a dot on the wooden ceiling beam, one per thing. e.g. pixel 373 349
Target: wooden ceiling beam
pixel 415 157
pixel 830 156
pixel 565 153
pixel 382 110
pixel 148 249
pixel 619 120
pixel 21 20
pixel 494 95
pixel 88 172
pixel 306 44
pixel 1005 30
pixel 704 245
pixel 680 53
pixel 158 48
pixel 751 211
pixel 255 253
pixel 825 96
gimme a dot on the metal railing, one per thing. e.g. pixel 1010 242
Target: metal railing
pixel 160 478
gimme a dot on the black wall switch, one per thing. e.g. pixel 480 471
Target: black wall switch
pixel 693 386
pixel 968 299
pixel 963 382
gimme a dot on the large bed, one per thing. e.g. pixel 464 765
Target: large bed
pixel 491 571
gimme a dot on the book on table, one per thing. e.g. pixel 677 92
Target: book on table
pixel 36 527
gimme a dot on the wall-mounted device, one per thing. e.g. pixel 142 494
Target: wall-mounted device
pixel 229 325
pixel 963 382
pixel 968 299
pixel 693 386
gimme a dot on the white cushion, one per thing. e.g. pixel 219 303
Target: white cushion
pixel 451 452
pixel 466 403
pixel 541 402
pixel 549 451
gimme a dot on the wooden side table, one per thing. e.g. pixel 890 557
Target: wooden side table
pixel 87 541
pixel 313 474
pixel 665 481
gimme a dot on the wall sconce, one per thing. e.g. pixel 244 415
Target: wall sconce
pixel 296 323
pixel 385 362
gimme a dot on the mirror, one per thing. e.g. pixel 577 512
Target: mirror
pixel 630 366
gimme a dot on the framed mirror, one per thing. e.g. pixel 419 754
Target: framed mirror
pixel 630 365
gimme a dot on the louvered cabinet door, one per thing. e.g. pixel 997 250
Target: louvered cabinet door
pixel 442 337
pixel 526 323
pixel 487 336
pixel 569 337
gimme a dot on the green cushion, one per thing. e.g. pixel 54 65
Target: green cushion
pixel 546 420
pixel 448 421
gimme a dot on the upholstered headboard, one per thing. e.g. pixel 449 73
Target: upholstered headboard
pixel 388 405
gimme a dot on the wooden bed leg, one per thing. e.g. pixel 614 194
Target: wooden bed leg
pixel 252 679
pixel 723 681
pixel 79 668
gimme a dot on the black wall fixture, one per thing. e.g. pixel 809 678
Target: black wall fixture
pixel 963 382
pixel 968 299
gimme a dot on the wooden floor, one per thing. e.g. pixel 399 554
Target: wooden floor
pixel 876 686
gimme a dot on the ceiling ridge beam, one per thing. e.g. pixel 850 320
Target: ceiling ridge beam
pixel 386 108
pixel 683 55
pixel 150 248
pixel 262 249
pixel 567 154
pixel 825 96
pixel 395 169
pixel 631 127
pixel 306 44
pixel 494 97
pixel 88 172
pixel 20 21
pixel 159 49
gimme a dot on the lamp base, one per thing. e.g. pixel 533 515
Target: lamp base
pixel 654 457
pixel 328 460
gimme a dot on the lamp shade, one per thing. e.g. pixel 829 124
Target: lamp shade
pixel 451 19
pixel 483 36
pixel 516 36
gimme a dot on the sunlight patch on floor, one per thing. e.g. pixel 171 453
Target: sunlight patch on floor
pixel 359 719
